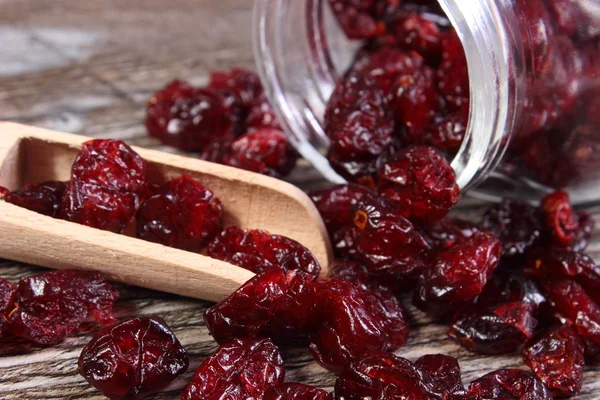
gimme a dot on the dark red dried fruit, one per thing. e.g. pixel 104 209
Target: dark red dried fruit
pixel 573 304
pixel 508 384
pixel 458 274
pixel 335 204
pixel 238 370
pixel 517 224
pixel 8 297
pixel 448 134
pixel 453 73
pixel 274 304
pixel 353 322
pixel 349 270
pixel 444 376
pixel 244 84
pixel 358 123
pixel 3 192
pixel 387 242
pixel 557 359
pixel 133 359
pixel 189 118
pixel 413 32
pixel 584 232
pixel 184 215
pixel 265 151
pixel 421 181
pixel 559 218
pixel 503 287
pixel 295 391
pixel 43 198
pixel 445 233
pixel 566 264
pixel 385 65
pixel 52 305
pixel 259 251
pixel 261 114
pixel 361 20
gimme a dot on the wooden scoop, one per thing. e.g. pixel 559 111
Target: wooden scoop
pixel 33 155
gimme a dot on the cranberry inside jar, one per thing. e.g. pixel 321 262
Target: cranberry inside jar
pixel 508 93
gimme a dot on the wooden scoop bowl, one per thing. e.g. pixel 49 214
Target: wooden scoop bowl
pixel 33 155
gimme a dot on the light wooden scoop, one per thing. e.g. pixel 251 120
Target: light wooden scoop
pixel 33 155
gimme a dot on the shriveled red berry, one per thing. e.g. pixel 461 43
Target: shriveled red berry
pixel 52 305
pixel 448 134
pixel 385 65
pixel 458 274
pixel 274 304
pixel 189 118
pixel 387 243
pixel 557 359
pixel 244 84
pixel 353 322
pixel 295 391
pixel 184 215
pixel 3 192
pixel 8 297
pixel 566 264
pixel 43 198
pixel 421 181
pixel 517 224
pixel 443 374
pixel 508 384
pixel 344 241
pixel 259 251
pixel 238 370
pixel 360 20
pixel 261 114
pixel 265 151
pixel 133 359
pixel 506 287
pixel 445 233
pixel 335 204
pixel 560 219
pixel 573 304
pixel 414 32
pixel 453 73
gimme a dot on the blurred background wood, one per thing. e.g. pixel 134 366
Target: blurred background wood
pixel 89 68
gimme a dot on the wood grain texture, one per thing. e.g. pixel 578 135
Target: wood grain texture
pixel 88 68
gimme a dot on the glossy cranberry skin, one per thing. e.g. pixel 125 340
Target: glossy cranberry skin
pixel 421 181
pixel 295 391
pixel 385 65
pixel 413 32
pixel 354 322
pixel 264 151
pixel 566 264
pixel 43 198
pixel 261 114
pixel 359 126
pixel 453 74
pixel 238 370
pixel 518 225
pixel 573 304
pixel 557 359
pixel 189 118
pixel 133 359
pixel 52 305
pixel 360 20
pixel 259 251
pixel 448 134
pixel 387 243
pixel 560 219
pixel 244 84
pixel 274 304
pixel 508 384
pixel 445 233
pixel 184 215
pixel 335 204
pixel 443 374
pixel 8 297
pixel 458 274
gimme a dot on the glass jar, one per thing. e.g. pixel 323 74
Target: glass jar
pixel 534 78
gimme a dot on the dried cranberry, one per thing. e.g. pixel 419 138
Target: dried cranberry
pixel 184 215
pixel 453 73
pixel 574 305
pixel 261 114
pixel 274 303
pixel 560 219
pixel 360 20
pixel 508 384
pixel 413 32
pixel 557 359
pixel 189 118
pixel 363 172
pixel 259 251
pixel 445 233
pixel 133 359
pixel 584 232
pixel 335 204
pixel 458 274
pixel 385 65
pixel 448 134
pixel 3 192
pixel 421 181
pixel 565 264
pixel 265 151
pixel 8 297
pixel 43 198
pixel 52 305
pixel 387 242
pixel 244 84
pixel 344 241
pixel 238 370
pixel 505 286
pixel 353 322
pixel 444 375
pixel 295 391
pixel 517 224
pixel 349 270
pixel 358 123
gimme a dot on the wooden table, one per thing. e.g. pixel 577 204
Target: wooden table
pixel 88 68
